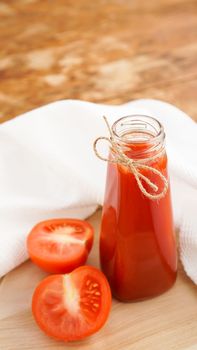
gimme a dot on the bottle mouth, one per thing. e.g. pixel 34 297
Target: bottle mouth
pixel 138 129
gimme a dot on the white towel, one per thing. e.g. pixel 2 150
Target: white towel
pixel 48 169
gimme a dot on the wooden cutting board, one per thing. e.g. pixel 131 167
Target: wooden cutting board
pixel 168 322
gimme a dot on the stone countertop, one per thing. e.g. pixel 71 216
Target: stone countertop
pixel 102 51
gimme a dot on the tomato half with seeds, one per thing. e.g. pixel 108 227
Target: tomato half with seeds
pixel 60 245
pixel 72 306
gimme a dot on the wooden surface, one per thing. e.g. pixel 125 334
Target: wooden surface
pixel 108 51
pixel 168 322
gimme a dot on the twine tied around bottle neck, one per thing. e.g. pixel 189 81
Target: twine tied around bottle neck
pixel 134 166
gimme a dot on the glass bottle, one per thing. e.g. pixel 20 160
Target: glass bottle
pixel 137 240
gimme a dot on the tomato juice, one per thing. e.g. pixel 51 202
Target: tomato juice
pixel 137 241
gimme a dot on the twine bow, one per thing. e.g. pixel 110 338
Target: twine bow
pixel 119 157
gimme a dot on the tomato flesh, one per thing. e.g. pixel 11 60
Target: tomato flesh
pixel 60 245
pixel 72 306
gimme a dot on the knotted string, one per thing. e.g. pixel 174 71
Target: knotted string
pixel 119 157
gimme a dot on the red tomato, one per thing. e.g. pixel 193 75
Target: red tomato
pixel 60 245
pixel 72 306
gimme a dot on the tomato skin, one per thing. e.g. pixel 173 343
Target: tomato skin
pixel 59 267
pixel 75 255
pixel 62 324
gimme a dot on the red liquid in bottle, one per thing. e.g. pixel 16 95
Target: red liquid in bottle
pixel 137 242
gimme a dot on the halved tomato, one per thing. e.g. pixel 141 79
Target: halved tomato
pixel 60 245
pixel 72 306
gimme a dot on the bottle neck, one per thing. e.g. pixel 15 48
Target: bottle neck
pixel 139 136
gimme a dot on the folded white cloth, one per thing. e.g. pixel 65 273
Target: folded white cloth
pixel 48 169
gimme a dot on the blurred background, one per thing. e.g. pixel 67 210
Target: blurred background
pixel 107 51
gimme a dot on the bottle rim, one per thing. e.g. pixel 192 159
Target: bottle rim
pixel 138 123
